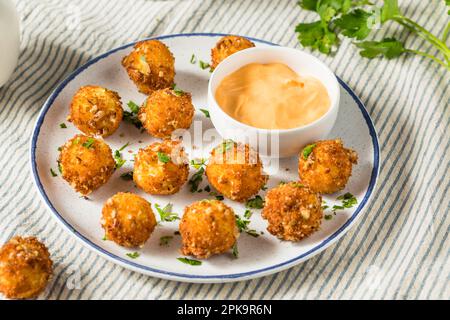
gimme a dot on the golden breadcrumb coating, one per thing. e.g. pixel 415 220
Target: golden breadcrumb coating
pixel 128 220
pixel 165 111
pixel 328 166
pixel 151 66
pixel 25 268
pixel 293 211
pixel 208 227
pixel 226 46
pixel 86 163
pixel 235 170
pixel 161 168
pixel 96 111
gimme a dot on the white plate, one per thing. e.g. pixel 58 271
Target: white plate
pixel 258 256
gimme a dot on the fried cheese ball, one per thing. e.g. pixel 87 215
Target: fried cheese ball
pixel 235 170
pixel 226 46
pixel 325 166
pixel 151 66
pixel 25 268
pixel 161 168
pixel 128 220
pixel 293 211
pixel 208 227
pixel 86 163
pixel 96 111
pixel 165 111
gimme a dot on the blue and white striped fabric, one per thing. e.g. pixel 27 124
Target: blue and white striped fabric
pixel 398 249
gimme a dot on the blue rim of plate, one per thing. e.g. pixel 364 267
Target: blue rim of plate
pixel 321 246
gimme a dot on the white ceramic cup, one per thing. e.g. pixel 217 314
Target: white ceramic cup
pixel 281 142
pixel 9 39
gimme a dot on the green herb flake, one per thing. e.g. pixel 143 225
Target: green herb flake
pixel 242 225
pixel 255 203
pixel 225 146
pixel 235 251
pixel 208 188
pixel 164 158
pixel 205 112
pixel 247 214
pixel 193 59
pixel 105 238
pixel 119 160
pixel 220 197
pixel 127 176
pixel 204 65
pixel 191 262
pixel 264 188
pixel 134 107
pixel 166 213
pixel 133 255
pixel 132 116
pixel 325 207
pixel 328 217
pixel 53 173
pixel 63 125
pixel 198 163
pixel 177 90
pixel 165 240
pixel 196 179
pixel 89 143
pixel 348 200
pixel 59 167
pixel 307 150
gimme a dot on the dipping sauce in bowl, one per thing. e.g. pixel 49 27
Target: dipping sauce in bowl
pixel 272 96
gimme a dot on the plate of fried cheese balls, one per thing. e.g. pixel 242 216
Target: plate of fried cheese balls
pixel 146 155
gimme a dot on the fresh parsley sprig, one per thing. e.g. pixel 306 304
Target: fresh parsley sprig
pixel 356 19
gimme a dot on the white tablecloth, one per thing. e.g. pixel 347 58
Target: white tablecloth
pixel 398 249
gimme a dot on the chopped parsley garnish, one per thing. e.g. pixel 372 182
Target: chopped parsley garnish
pixel 264 188
pixel 338 208
pixel 247 214
pixel 59 167
pixel 133 107
pixel 60 148
pixel 225 145
pixel 166 213
pixel 124 146
pixel 219 197
pixel 191 262
pixel 53 173
pixel 62 125
pixel 133 255
pixel 205 112
pixel 132 117
pixel 204 65
pixel 127 176
pixel 297 185
pixel 328 217
pixel 255 203
pixel 307 150
pixel 198 163
pixel 196 179
pixel 242 225
pixel 105 238
pixel 119 160
pixel 164 241
pixel 89 143
pixel 348 200
pixel 177 90
pixel 76 141
pixel 193 59
pixel 164 158
pixel 235 251
pixel 208 189
pixel 325 207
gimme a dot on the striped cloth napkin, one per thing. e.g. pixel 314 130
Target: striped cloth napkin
pixel 398 249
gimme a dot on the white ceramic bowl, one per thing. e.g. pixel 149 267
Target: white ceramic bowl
pixel 283 142
pixel 9 39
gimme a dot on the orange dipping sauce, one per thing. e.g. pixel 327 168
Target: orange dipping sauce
pixel 272 96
